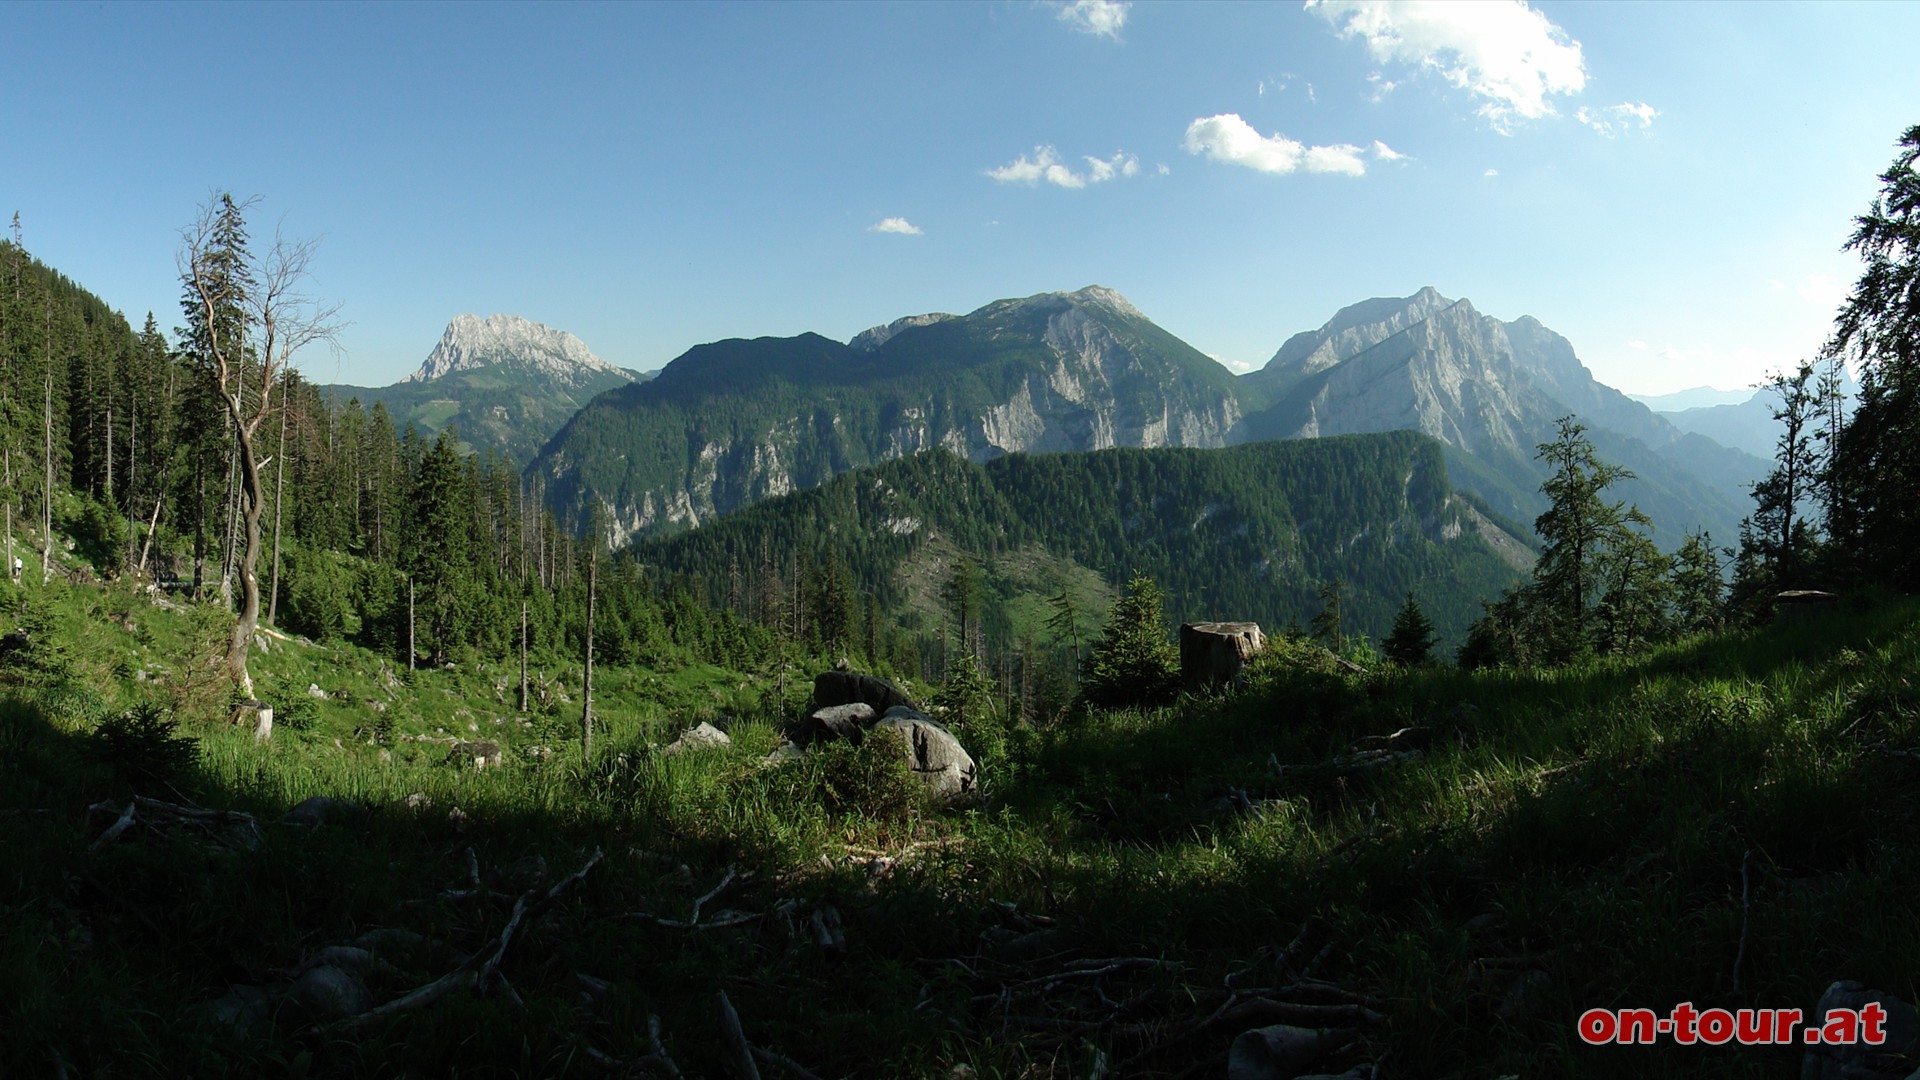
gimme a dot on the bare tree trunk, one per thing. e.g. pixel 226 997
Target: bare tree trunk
pixel 523 654
pixel 147 544
pixel 252 503
pixel 586 683
pixel 279 485
pixel 410 650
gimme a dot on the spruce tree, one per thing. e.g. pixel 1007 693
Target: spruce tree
pixel 1576 526
pixel 1133 662
pixel 1411 640
pixel 1697 585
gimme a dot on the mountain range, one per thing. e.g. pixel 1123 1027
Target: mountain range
pixel 503 383
pixel 736 421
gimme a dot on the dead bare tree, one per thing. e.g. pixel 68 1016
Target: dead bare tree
pixel 286 321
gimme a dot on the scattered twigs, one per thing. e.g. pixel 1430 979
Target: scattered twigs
pixel 1889 750
pixel 737 1046
pixel 481 969
pixel 719 921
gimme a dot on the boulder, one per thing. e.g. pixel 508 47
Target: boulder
pixel 1897 1058
pixel 328 993
pixel 846 687
pixel 697 738
pixel 1279 1052
pixel 830 722
pixel 1213 653
pixel 933 754
pixel 315 811
pixel 244 1008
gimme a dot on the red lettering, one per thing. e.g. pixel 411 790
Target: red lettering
pixel 1872 1016
pixel 1597 1026
pixel 1842 1027
pixel 1784 1021
pixel 1637 1026
pixel 1683 1020
pixel 1751 1026
pixel 1716 1026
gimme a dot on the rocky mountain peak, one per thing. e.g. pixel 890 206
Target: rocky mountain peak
pixel 471 342
pixel 869 340
pixel 1356 328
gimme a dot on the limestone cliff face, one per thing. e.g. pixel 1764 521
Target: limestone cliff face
pixel 736 422
pixel 1490 391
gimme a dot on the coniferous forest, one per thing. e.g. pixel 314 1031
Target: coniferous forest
pixel 335 748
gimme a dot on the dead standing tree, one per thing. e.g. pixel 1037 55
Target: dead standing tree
pixel 286 321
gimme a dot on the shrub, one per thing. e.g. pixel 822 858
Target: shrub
pixel 871 779
pixel 141 742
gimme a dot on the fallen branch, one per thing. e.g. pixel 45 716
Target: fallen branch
pixel 235 829
pixel 741 1051
pixel 113 831
pixel 785 1062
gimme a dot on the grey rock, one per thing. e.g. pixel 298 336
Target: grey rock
pixel 785 753
pixel 327 992
pixel 1279 1052
pixel 849 721
pixel 240 1011
pixel 846 687
pixel 933 754
pixel 703 737
pixel 314 691
pixel 480 754
pixel 1897 1058
pixel 315 811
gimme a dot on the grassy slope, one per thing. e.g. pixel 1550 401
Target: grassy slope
pixel 1590 823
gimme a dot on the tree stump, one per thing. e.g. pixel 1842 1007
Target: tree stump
pixel 1213 653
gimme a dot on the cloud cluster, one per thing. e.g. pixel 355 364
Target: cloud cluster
pixel 1102 18
pixel 1505 53
pixel 1047 165
pixel 1615 120
pixel 1228 138
pixel 898 225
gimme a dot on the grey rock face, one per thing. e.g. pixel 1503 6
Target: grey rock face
pixel 472 342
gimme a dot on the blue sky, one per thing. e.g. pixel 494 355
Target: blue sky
pixel 1666 184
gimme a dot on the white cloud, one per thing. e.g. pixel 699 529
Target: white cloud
pixel 1491 172
pixel 1637 345
pixel 1382 86
pixel 1505 53
pixel 1232 140
pixel 1822 289
pixel 1383 152
pixel 1163 170
pixel 1238 367
pixel 1046 165
pixel 1614 120
pixel 895 225
pixel 1103 18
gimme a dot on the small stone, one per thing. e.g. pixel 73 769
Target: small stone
pixel 417 801
pixel 698 738
pixel 241 1009
pixel 314 691
pixel 314 812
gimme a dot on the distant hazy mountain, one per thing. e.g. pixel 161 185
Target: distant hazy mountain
pixel 1698 397
pixel 1490 391
pixel 1747 424
pixel 736 421
pixel 502 382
